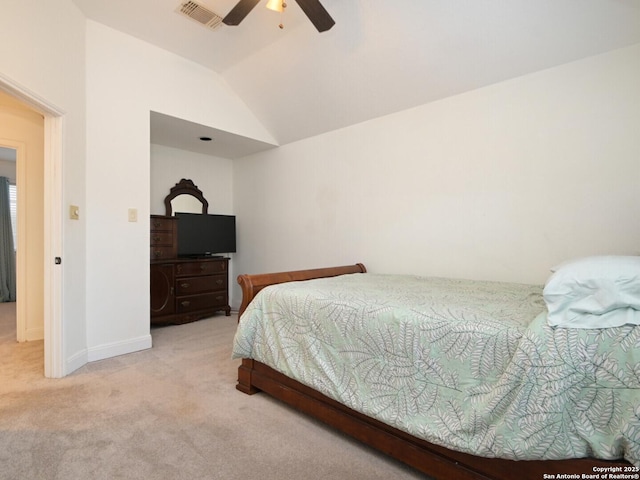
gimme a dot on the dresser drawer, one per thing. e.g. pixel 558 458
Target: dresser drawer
pixel 160 224
pixel 205 283
pixel 201 267
pixel 162 238
pixel 192 303
pixel 162 253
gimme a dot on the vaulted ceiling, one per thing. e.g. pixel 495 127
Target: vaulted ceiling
pixel 382 56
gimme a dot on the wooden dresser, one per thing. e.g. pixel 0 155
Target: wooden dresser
pixel 164 237
pixel 184 290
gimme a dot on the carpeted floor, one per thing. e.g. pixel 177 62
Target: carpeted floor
pixel 170 412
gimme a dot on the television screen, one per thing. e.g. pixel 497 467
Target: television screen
pixel 202 235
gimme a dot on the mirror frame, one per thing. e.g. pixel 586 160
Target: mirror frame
pixel 184 187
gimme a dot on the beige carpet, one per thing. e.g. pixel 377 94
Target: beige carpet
pixel 170 412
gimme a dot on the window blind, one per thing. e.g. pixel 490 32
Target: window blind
pixel 13 205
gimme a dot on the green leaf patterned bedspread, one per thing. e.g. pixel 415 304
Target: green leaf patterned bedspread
pixel 469 365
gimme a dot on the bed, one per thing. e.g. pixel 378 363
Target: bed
pixel 470 381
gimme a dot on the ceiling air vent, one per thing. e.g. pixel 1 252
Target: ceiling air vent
pixel 201 14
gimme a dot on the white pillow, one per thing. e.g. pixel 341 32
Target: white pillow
pixel 594 292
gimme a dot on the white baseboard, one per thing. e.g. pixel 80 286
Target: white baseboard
pixel 119 348
pixel 33 334
pixel 75 362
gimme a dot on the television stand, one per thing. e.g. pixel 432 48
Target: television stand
pixel 187 289
pixel 184 290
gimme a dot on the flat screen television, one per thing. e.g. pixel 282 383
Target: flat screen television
pixel 203 235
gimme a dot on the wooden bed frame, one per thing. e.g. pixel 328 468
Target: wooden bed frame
pixel 433 460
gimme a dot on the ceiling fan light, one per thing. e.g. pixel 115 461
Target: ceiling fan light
pixel 275 5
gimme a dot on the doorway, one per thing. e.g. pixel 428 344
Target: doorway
pixel 51 231
pixel 8 175
pixel 22 130
pixel 8 242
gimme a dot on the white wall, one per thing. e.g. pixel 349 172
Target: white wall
pixel 498 183
pixel 126 79
pixel 212 175
pixel 43 53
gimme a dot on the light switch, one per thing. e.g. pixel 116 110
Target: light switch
pixel 133 214
pixel 74 212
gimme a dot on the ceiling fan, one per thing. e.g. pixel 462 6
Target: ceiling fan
pixel 312 9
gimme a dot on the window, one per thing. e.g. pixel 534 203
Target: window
pixel 13 202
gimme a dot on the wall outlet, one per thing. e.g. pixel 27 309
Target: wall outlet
pixel 133 214
pixel 74 212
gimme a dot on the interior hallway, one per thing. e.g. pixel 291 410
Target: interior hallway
pixel 20 362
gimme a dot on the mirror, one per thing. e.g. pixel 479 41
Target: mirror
pixel 185 197
pixel 186 203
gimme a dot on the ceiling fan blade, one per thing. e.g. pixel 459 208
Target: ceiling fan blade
pixel 317 14
pixel 241 10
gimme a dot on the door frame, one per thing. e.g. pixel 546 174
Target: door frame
pixel 54 364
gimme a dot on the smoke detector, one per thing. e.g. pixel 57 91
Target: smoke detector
pixel 200 14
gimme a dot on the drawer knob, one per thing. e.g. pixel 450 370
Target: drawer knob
pixel 157 253
pixel 185 285
pixel 157 238
pixel 185 303
pixel 219 281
